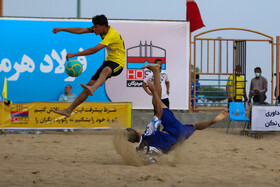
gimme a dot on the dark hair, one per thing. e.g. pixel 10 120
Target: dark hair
pixel 100 20
pixel 132 135
pixel 158 59
pixel 257 68
pixel 197 76
pixel 68 85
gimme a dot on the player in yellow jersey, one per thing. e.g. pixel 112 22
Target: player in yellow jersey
pixel 112 66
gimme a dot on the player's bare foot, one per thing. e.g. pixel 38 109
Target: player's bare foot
pixel 87 89
pixel 152 67
pixel 221 116
pixel 62 112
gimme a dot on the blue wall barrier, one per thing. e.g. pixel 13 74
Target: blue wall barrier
pixel 33 59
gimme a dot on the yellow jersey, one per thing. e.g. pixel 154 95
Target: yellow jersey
pixel 239 86
pixel 114 46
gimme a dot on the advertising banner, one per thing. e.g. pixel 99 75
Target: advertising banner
pixel 39 115
pixel 265 118
pixel 33 59
pixel 146 41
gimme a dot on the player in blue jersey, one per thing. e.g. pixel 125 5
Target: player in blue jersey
pixel 173 132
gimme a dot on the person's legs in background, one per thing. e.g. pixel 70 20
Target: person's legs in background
pixel 259 98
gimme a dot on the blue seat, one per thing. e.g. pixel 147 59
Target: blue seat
pixel 237 113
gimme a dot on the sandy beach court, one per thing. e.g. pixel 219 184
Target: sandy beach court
pixel 209 158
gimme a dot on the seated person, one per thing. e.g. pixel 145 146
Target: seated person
pixel 67 96
pixel 258 88
pixel 173 132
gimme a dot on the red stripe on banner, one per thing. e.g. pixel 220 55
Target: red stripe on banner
pixel 144 59
pixel 193 16
pixel 19 112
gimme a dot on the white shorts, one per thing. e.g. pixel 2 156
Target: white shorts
pixel 152 126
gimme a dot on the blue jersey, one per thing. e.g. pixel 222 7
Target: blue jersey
pixel 176 132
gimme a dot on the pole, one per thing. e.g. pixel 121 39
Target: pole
pixel 277 66
pixel 78 8
pixel 3 105
pixel 1 7
pixel 190 70
pixel 220 48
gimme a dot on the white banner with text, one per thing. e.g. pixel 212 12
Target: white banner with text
pixel 266 118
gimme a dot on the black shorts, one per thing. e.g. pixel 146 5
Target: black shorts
pixel 165 101
pixel 115 67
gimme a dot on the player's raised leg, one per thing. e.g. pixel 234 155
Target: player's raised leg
pixel 105 73
pixel 80 99
pixel 156 89
pixel 205 124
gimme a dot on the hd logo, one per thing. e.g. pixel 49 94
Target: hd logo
pixel 137 57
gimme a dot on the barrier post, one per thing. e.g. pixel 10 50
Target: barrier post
pixel 2 115
pixel 277 64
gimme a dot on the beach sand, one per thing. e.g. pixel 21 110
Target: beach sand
pixel 89 158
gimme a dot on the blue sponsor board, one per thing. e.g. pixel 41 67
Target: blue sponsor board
pixel 33 59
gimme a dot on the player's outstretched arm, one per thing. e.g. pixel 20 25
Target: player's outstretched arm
pixel 74 30
pixel 86 52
